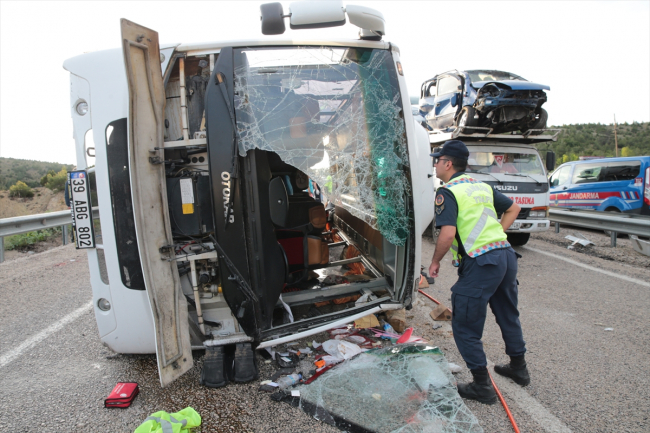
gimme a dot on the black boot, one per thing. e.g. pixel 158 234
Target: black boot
pixel 214 373
pixel 245 365
pixel 481 389
pixel 516 370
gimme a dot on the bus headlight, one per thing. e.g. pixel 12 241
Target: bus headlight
pixel 103 304
pixel 81 108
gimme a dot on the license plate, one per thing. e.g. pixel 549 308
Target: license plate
pixel 515 226
pixel 81 208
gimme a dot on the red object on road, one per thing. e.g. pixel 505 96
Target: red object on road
pixel 405 336
pixel 122 395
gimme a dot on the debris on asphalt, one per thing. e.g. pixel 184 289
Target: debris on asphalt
pixel 369 321
pixel 609 329
pixel 122 395
pixel 441 312
pixel 582 240
pixel 411 388
pixel 454 368
pixel 397 319
pixel 639 245
pixel 437 325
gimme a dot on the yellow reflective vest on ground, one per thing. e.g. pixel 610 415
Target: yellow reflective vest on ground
pixel 477 224
pixel 164 422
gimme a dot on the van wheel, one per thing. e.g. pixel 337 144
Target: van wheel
pixel 608 232
pixel 465 119
pixel 518 239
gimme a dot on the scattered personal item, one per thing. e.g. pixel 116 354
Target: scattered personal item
pixel 177 422
pixel 369 321
pixel 122 395
pixel 397 319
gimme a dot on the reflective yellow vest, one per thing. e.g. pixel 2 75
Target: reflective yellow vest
pixel 163 422
pixel 477 224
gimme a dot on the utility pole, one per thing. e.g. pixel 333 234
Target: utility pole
pixel 615 137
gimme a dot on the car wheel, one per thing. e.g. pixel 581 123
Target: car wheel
pixel 540 122
pixel 466 119
pixel 518 239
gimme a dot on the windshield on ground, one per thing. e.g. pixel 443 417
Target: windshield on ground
pixel 336 115
pixel 493 76
pixel 500 162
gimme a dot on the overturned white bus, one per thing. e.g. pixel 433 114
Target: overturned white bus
pixel 231 177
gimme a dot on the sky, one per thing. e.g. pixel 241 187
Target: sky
pixel 595 56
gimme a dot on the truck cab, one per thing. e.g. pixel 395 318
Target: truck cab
pixel 511 164
pixel 249 192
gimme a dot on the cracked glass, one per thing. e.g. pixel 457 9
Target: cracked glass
pixel 336 115
pixel 401 389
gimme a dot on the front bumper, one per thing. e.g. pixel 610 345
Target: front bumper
pixel 529 226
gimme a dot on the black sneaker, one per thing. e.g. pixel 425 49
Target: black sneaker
pixel 519 375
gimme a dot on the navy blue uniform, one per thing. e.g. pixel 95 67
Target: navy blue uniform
pixel 490 278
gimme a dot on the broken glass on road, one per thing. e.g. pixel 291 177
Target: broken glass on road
pixel 400 389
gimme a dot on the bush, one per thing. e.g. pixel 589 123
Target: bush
pixel 24 240
pixel 20 189
pixel 44 178
pixel 57 182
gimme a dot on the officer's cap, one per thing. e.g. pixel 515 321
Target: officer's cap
pixel 455 148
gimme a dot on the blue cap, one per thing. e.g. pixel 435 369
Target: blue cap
pixel 455 148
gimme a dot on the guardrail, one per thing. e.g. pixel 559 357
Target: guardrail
pixel 29 223
pixel 597 220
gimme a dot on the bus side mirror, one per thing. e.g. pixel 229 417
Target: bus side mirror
pixel 550 160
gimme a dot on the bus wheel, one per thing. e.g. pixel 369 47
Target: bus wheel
pixel 518 239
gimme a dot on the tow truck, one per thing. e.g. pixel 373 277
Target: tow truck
pixel 511 164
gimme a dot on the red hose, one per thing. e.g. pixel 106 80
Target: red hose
pixel 429 296
pixel 505 406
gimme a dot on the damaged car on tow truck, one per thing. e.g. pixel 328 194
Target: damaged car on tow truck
pixel 498 100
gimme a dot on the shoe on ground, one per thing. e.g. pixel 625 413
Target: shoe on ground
pixel 482 393
pixel 519 375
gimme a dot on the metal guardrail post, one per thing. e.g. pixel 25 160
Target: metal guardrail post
pixel 65 234
pixel 557 227
pixel 2 249
pixel 613 235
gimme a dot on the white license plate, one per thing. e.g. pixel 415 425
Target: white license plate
pixel 515 226
pixel 81 208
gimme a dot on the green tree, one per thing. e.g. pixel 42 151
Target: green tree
pixel 626 151
pixel 57 182
pixel 20 189
pixel 44 178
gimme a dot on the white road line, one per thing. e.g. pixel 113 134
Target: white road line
pixel 33 341
pixel 546 420
pixel 591 268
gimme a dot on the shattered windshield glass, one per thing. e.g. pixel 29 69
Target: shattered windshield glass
pixel 401 389
pixel 336 115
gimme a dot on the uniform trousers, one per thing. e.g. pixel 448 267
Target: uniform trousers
pixel 491 279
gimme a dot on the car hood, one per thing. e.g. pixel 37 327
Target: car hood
pixel 513 84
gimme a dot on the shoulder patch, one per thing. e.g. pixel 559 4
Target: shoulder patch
pixel 440 199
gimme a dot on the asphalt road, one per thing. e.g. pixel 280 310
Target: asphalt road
pixel 54 372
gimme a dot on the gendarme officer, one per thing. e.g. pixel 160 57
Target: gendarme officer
pixel 466 213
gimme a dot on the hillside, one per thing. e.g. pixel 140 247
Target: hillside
pixel 28 171
pixel 595 139
pixel 43 201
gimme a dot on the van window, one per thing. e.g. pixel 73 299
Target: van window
pixel 448 85
pixel 560 177
pixel 606 171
